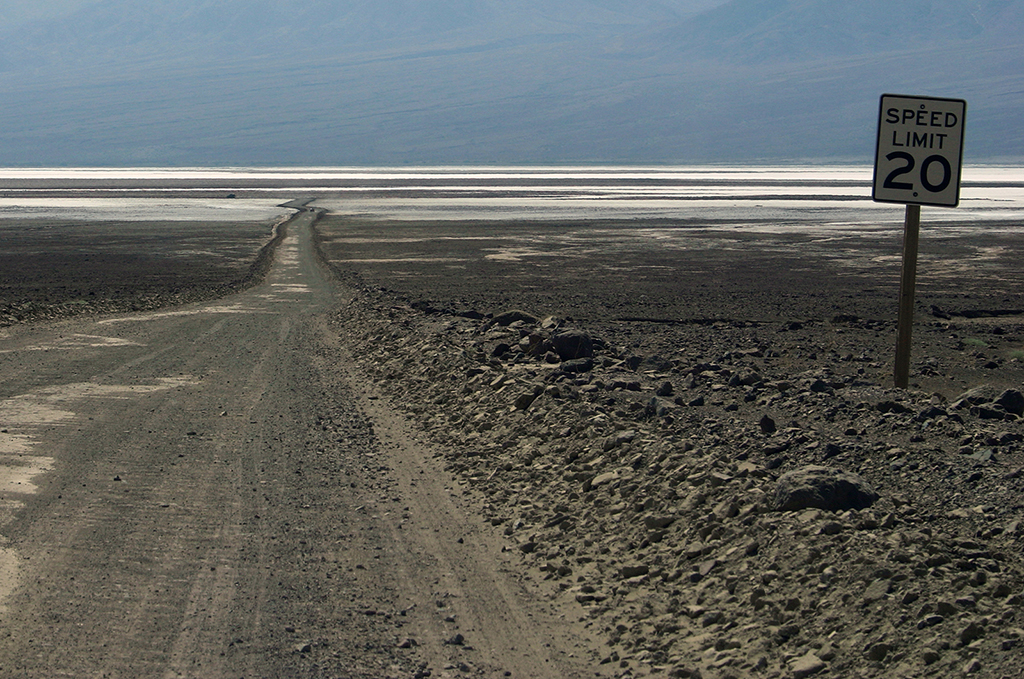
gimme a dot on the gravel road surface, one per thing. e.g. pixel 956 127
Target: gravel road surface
pixel 213 491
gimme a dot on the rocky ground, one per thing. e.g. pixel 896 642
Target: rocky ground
pixel 54 270
pixel 723 488
pixel 693 451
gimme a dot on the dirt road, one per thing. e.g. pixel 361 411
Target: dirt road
pixel 212 491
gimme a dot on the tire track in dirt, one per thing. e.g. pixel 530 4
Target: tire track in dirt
pixel 219 495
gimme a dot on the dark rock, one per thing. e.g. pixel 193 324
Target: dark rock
pixel 750 379
pixel 970 633
pixel 425 307
pixel 524 401
pixel 712 618
pixel 510 317
pixel 787 632
pixel 1012 401
pixel 822 488
pixel 767 425
pixel 658 522
pixel 831 450
pixel 656 408
pixel 985 413
pixel 578 365
pixel 665 389
pixel 535 344
pixel 892 407
pixel 573 344
pixel 820 387
pixel 634 571
pixel 931 413
pixel 1007 437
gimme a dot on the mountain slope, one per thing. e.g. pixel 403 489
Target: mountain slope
pixel 792 30
pixel 111 30
pixel 522 81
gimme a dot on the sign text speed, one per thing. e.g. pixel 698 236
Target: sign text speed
pixel 919 150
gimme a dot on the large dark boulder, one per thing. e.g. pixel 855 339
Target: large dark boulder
pixel 822 488
pixel 1012 401
pixel 572 344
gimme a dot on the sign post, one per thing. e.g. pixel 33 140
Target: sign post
pixel 918 159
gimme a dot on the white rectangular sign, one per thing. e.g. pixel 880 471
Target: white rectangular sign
pixel 919 150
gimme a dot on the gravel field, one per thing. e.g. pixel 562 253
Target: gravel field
pixel 688 434
pixel 683 434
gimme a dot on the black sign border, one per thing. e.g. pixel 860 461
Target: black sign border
pixel 878 144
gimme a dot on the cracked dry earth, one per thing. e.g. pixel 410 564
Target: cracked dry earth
pixel 637 476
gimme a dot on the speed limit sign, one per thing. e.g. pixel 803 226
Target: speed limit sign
pixel 919 150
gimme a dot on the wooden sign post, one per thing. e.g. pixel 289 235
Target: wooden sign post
pixel 918 158
pixel 908 279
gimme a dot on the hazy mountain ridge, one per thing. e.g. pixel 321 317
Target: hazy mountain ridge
pixel 754 31
pixel 734 31
pixel 107 27
pixel 242 81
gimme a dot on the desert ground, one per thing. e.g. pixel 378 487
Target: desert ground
pixel 673 446
pixel 642 485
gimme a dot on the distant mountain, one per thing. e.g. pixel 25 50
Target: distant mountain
pixel 795 30
pixel 113 30
pixel 492 81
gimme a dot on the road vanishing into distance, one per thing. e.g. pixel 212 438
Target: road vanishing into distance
pixel 213 491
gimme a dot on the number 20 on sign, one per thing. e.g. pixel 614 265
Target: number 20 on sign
pixel 919 150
